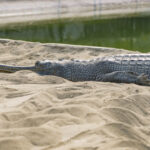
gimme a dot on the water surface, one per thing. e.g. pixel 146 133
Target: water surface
pixel 129 33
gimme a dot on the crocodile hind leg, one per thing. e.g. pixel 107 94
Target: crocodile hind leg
pixel 125 77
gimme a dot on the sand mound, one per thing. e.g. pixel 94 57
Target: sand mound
pixel 51 113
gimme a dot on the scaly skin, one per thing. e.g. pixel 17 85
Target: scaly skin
pixel 127 68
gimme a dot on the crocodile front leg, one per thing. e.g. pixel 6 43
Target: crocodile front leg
pixel 125 77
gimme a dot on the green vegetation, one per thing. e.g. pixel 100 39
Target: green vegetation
pixel 131 33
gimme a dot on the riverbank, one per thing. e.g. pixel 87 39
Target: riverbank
pixel 51 113
pixel 37 10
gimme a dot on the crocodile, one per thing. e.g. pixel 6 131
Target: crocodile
pixel 123 68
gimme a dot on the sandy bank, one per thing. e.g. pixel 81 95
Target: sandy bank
pixel 13 11
pixel 50 113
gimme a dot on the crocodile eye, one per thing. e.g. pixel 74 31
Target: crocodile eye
pixel 43 64
pixel 37 63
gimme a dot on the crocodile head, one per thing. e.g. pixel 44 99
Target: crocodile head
pixel 47 67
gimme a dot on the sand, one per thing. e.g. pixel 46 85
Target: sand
pixel 20 11
pixel 51 113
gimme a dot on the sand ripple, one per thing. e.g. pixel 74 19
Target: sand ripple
pixel 51 113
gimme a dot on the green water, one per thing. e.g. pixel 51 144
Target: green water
pixel 129 33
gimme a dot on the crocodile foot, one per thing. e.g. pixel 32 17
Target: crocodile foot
pixel 143 79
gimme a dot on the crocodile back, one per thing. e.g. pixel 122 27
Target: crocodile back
pixel 139 63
